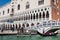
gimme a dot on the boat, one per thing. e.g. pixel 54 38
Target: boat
pixel 49 34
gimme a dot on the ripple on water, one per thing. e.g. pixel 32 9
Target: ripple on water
pixel 33 37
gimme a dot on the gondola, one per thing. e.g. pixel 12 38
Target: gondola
pixel 54 34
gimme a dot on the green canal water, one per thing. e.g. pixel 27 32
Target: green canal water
pixel 33 37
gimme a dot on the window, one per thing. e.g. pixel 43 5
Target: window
pixel 32 11
pixel 28 17
pixel 45 9
pixel 35 11
pixel 27 5
pixel 31 16
pixel 19 25
pixel 12 10
pixel 40 2
pixel 8 10
pixel 54 2
pixel 27 25
pixel 7 27
pixel 47 14
pixel 21 18
pixel 3 12
pixel 13 25
pixel 24 17
pixel 18 6
pixel 43 14
pixel 16 26
pixel 12 2
pixel 23 25
pixel 36 15
pixel 41 9
pixel 32 24
pixel 40 15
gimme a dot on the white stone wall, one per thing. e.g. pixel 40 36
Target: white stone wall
pixel 33 5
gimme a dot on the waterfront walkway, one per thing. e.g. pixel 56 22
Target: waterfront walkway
pixel 8 32
pixel 47 26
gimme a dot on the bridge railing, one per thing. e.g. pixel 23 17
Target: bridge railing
pixel 50 24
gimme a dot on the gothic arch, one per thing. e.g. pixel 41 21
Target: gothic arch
pixel 47 14
pixel 40 15
pixel 27 25
pixel 36 15
pixel 43 14
pixel 23 25
pixel 32 24
pixel 19 25
pixel 33 16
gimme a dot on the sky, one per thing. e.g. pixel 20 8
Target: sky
pixel 3 2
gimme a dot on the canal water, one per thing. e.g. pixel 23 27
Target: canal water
pixel 33 37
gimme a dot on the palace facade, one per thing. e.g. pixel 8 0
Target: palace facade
pixel 27 13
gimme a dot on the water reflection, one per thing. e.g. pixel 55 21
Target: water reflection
pixel 33 37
